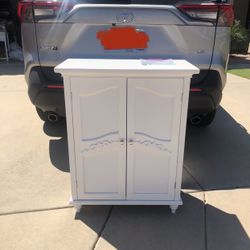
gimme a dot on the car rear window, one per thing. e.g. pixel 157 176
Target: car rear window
pixel 155 2
pixel 131 1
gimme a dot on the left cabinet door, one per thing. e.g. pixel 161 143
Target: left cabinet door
pixel 99 121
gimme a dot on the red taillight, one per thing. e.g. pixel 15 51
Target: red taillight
pixel 226 15
pixel 210 13
pixel 55 86
pixel 203 12
pixel 49 9
pixel 43 9
pixel 195 90
pixel 24 11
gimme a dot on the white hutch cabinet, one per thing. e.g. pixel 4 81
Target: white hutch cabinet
pixel 126 122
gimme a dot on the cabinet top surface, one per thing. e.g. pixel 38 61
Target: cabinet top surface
pixel 126 67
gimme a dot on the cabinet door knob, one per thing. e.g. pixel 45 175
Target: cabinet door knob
pixel 122 141
pixel 131 141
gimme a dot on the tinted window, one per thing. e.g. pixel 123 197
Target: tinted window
pixel 163 2
pixel 138 1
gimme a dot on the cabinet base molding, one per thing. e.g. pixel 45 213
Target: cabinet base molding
pixel 173 204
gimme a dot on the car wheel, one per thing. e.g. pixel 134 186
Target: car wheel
pixel 203 120
pixel 51 117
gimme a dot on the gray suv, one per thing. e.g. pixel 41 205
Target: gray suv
pixel 198 31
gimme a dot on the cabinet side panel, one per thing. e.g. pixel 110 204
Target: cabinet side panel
pixel 182 136
pixel 70 135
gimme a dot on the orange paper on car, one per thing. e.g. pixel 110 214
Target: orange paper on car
pixel 117 38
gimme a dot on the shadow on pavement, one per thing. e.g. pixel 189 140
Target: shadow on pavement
pixel 224 231
pixel 154 227
pixel 11 68
pixel 217 156
pixel 58 147
pixel 239 62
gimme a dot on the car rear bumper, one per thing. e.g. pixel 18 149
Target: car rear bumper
pixel 53 100
pixel 42 96
pixel 207 94
pixel 200 103
pixel 48 99
pixel 203 101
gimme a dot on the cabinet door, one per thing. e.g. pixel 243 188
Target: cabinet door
pixel 99 120
pixel 153 117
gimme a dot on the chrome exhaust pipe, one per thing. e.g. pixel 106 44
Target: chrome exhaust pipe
pixel 52 117
pixel 196 120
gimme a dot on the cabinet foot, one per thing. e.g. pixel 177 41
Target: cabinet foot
pixel 173 208
pixel 78 208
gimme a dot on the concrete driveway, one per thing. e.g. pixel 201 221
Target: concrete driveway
pixel 35 187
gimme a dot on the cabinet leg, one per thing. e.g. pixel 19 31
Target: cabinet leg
pixel 78 208
pixel 173 208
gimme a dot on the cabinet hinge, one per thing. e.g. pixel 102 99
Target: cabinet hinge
pixel 175 185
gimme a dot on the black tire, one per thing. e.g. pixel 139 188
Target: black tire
pixel 44 116
pixel 206 119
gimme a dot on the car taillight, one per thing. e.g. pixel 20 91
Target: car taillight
pixel 24 11
pixel 222 14
pixel 51 9
pixel 43 9
pixel 226 15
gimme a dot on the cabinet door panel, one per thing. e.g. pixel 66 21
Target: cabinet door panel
pixel 154 111
pixel 150 170
pixel 99 120
pixel 149 118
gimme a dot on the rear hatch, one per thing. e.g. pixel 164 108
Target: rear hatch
pixel 173 29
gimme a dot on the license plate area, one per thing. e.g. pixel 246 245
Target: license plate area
pixel 120 38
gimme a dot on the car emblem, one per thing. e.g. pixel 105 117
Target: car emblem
pixel 125 18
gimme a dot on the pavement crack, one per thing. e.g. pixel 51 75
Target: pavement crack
pixel 228 188
pixel 34 210
pixel 103 227
pixel 200 186
pixel 205 226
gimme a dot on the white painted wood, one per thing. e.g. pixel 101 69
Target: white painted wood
pixel 182 136
pixel 153 117
pixel 173 208
pixel 99 122
pixel 128 202
pixel 70 135
pixel 126 122
pixel 78 207
pixel 126 68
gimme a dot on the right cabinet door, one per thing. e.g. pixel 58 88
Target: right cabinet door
pixel 153 125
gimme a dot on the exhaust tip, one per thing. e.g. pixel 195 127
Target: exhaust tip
pixel 196 120
pixel 52 117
